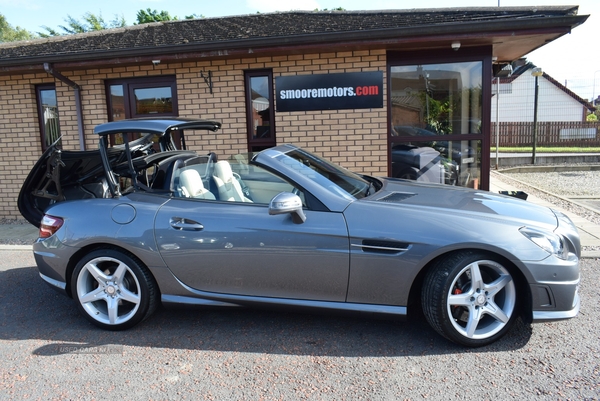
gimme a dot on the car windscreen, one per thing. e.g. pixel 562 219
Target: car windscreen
pixel 325 173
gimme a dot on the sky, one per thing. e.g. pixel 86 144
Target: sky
pixel 573 59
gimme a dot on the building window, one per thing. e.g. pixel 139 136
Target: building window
pixel 260 115
pixel 436 120
pixel 48 115
pixel 141 97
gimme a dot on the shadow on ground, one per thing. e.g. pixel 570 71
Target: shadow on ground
pixel 31 310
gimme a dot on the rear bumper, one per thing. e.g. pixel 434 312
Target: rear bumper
pixel 59 286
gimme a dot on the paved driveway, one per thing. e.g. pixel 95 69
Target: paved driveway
pixel 243 354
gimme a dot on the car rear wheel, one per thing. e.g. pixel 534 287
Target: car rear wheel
pixel 113 290
pixel 470 298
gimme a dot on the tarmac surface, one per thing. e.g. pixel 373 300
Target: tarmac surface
pixel 50 352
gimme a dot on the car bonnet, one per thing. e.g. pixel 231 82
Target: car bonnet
pixel 396 191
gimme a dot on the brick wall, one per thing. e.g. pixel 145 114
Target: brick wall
pixel 355 139
pixel 19 136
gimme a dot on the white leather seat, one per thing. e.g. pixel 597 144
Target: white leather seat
pixel 229 188
pixel 192 186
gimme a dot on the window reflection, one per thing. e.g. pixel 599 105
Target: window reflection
pixel 48 107
pixel 439 98
pixel 431 106
pixel 260 94
pixel 117 102
pixel 153 100
pixel 438 161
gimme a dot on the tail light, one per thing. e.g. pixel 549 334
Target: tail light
pixel 50 225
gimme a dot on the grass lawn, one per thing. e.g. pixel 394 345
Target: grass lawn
pixel 546 150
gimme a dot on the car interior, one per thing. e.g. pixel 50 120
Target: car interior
pixel 194 176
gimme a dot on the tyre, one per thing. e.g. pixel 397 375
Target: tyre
pixel 408 174
pixel 470 298
pixel 113 290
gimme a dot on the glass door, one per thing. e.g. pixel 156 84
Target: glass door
pixel 436 115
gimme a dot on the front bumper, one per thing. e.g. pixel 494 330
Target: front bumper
pixel 548 315
pixel 555 289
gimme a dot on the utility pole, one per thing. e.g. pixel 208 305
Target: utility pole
pixel 536 72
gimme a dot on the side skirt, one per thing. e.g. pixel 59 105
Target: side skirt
pixel 202 298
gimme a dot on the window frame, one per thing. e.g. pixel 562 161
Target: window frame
pixel 481 54
pixel 257 144
pixel 40 109
pixel 129 85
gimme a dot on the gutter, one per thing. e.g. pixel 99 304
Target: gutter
pixel 77 89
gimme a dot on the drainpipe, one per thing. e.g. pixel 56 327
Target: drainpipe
pixel 48 68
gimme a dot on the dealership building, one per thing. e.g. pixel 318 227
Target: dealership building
pixel 403 93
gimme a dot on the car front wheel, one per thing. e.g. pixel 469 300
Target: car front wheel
pixel 113 290
pixel 470 298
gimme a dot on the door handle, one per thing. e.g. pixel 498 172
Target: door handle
pixel 183 224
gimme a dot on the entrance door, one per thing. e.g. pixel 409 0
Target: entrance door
pixel 436 122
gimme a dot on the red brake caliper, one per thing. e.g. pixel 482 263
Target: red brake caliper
pixel 455 309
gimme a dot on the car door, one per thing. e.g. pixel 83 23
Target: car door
pixel 238 248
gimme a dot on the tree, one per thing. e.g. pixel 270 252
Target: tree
pixel 148 15
pixel 91 22
pixel 8 33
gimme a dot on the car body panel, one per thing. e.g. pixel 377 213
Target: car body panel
pixel 238 248
pixel 137 237
pixel 420 235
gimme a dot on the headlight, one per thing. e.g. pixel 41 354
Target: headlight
pixel 548 241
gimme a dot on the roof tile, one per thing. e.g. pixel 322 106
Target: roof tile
pixel 283 26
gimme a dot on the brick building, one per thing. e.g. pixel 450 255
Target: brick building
pixel 294 77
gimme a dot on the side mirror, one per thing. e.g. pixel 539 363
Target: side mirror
pixel 287 202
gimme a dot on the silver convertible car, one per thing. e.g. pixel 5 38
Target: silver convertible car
pixel 128 227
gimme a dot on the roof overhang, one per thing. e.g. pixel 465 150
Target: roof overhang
pixel 510 39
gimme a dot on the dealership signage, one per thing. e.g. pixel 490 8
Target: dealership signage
pixel 355 90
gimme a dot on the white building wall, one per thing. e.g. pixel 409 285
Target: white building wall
pixel 518 97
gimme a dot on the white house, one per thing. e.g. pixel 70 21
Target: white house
pixel 556 103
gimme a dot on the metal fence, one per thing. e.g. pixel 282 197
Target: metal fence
pixel 552 134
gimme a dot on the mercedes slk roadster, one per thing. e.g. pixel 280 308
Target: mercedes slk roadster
pixel 129 227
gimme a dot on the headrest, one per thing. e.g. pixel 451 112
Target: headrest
pixel 223 170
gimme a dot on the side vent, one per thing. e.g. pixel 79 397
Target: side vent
pixel 396 197
pixel 384 247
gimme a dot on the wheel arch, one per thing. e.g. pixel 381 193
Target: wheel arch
pixel 76 257
pixel 414 298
